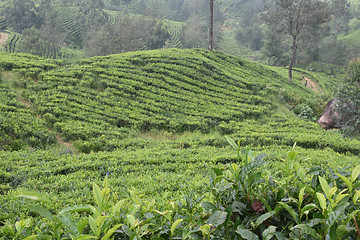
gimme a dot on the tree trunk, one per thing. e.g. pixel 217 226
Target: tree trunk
pixel 211 25
pixel 293 58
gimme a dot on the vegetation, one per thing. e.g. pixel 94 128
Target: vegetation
pixel 153 124
pixel 243 201
pixel 168 132
pixel 349 101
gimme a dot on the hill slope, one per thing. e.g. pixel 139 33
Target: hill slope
pixel 96 102
pixel 154 121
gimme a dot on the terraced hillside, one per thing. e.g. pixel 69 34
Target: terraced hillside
pixel 152 120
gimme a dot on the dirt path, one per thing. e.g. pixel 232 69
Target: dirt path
pixel 59 139
pixel 3 39
pixel 310 84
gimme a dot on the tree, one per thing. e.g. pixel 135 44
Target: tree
pixel 349 101
pixel 294 15
pixel 194 33
pixel 46 41
pixel 128 34
pixel 211 25
pixel 275 49
pixel 22 14
pixel 341 15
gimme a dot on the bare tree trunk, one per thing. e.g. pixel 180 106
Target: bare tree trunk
pixel 293 58
pixel 211 25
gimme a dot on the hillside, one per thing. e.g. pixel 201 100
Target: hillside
pixel 147 118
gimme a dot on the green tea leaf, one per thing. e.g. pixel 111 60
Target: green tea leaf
pixel 246 234
pixel 301 195
pixel 322 200
pixel 84 237
pixel 232 142
pixel 208 206
pixel 325 187
pixel 69 224
pixel 111 232
pixel 218 171
pixel 93 226
pixel 291 211
pixel 280 236
pixel 306 229
pixel 36 196
pixel 76 208
pixel 346 181
pixel 174 226
pixel 97 194
pixel 42 212
pixel 100 221
pixel 355 173
pixel 335 214
pixel 81 225
pixel 264 217
pixel 30 237
pixel 340 197
pixel 116 208
pixel 292 155
pixel 268 233
pixel 217 218
pixel 130 219
pixel 263 200
pixel 341 231
pixel 307 208
pixel 356 196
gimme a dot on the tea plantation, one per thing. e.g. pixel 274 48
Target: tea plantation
pixel 156 126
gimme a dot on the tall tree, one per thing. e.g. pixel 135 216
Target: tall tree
pixel 341 15
pixel 211 25
pixel 294 15
pixel 22 14
pixel 128 34
pixel 349 101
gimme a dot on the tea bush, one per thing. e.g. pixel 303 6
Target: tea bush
pixel 244 200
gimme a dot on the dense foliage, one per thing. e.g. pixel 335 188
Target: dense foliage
pixel 244 200
pixel 154 122
pixel 349 104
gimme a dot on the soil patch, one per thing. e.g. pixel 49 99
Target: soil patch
pixel 3 39
pixel 310 84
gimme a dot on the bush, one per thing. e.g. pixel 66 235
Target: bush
pixel 349 101
pixel 244 201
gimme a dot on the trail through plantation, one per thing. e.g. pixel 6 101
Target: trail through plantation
pixel 59 139
pixel 3 39
pixel 311 84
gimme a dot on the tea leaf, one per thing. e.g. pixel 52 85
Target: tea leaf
pixel 111 232
pixel 174 225
pixel 346 181
pixel 232 143
pixel 246 234
pixel 42 212
pixel 76 208
pixel 301 195
pixel 97 195
pixel 291 211
pixel 325 186
pixel 306 229
pixel 341 231
pixel 307 208
pixel 217 218
pixel 355 173
pixel 264 217
pixel 36 196
pixel 335 214
pixel 322 200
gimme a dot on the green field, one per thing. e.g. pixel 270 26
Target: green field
pixel 154 122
